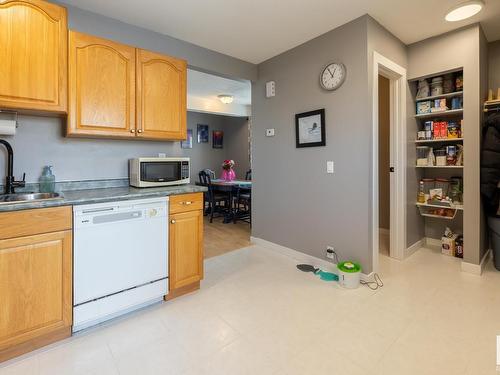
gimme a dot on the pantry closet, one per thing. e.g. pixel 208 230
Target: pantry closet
pixel 439 151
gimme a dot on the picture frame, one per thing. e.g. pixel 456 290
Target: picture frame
pixel 188 142
pixel 310 129
pixel 217 139
pixel 202 133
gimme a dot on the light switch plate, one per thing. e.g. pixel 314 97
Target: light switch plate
pixel 269 132
pixel 270 89
pixel 330 167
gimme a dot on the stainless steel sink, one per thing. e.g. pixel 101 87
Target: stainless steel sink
pixel 28 197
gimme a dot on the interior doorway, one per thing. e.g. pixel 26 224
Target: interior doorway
pixel 384 164
pixel 388 203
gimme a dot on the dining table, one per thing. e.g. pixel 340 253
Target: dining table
pixel 230 187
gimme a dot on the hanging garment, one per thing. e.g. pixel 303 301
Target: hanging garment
pixel 490 164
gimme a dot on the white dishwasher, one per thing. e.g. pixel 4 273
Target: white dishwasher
pixel 120 258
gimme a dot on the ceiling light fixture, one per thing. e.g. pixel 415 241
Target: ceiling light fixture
pixel 464 10
pixel 226 99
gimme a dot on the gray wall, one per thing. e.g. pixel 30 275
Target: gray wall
pixel 494 66
pixel 296 204
pixel 39 141
pixel 198 57
pixel 383 42
pixel 461 48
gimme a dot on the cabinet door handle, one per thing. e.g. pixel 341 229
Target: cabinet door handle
pixel 132 130
pixel 139 131
pixel 187 203
pixel 172 221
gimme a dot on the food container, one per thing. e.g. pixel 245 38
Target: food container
pixel 421 135
pixel 422 155
pixel 444 185
pixel 437 86
pixel 451 155
pixel 423 107
pixel 459 247
pixel 429 183
pixel 423 89
pixel 453 129
pixel 439 105
pixel 349 274
pixel 443 129
pixel 456 103
pixel 456 190
pixel 459 82
pixel 440 157
pixel 449 83
pixel 429 127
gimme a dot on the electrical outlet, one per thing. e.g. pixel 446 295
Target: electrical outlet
pixel 330 252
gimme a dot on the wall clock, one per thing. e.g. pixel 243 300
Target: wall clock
pixel 332 76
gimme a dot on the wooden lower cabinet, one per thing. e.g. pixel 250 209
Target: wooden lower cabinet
pixel 35 291
pixel 185 250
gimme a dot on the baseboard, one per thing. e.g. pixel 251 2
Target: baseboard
pixel 413 248
pixel 432 242
pixel 477 269
pixel 302 257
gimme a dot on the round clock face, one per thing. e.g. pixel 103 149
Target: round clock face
pixel 333 76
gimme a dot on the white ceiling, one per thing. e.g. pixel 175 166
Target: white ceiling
pixel 256 30
pixel 204 88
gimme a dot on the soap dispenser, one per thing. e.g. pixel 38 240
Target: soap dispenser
pixel 47 180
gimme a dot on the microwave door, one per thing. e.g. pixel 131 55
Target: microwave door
pixel 160 171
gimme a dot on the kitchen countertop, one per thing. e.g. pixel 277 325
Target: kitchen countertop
pixel 101 195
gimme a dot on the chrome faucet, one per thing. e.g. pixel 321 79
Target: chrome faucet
pixel 10 182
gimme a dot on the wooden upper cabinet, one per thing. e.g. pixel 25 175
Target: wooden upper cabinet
pixel 101 87
pixel 33 55
pixel 161 96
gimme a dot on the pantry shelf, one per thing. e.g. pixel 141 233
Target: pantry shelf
pixel 439 140
pixel 449 95
pixel 439 166
pixel 453 207
pixel 451 112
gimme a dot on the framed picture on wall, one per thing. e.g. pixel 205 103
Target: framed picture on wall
pixel 188 143
pixel 217 139
pixel 310 128
pixel 202 133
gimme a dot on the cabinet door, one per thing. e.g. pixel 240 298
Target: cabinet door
pixel 186 249
pixel 35 288
pixel 161 96
pixel 33 55
pixel 101 87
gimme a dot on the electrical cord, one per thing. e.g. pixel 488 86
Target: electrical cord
pixel 373 285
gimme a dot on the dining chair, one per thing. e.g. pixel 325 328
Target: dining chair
pixel 248 175
pixel 243 205
pixel 213 198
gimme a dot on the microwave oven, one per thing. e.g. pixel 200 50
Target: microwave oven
pixel 154 172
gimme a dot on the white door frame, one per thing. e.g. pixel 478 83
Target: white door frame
pixel 398 85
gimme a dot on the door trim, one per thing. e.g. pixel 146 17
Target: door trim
pixel 397 76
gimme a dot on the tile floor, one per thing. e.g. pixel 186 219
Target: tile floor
pixel 256 314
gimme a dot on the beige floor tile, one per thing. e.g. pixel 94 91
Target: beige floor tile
pixel 257 314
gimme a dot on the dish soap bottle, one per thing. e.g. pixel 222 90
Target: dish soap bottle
pixel 47 180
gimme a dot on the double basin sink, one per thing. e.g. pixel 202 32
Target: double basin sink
pixel 28 197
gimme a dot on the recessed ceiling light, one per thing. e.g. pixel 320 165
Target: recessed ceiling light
pixel 226 99
pixel 464 10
